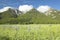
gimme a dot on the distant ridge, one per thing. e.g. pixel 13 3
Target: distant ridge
pixel 14 16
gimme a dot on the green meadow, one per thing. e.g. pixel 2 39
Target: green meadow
pixel 30 32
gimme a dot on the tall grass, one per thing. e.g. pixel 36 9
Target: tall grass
pixel 30 32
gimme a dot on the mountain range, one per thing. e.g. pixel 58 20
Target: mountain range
pixel 33 16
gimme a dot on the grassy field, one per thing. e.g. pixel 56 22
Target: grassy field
pixel 30 32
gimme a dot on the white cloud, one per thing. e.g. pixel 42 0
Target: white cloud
pixel 4 9
pixel 43 8
pixel 25 8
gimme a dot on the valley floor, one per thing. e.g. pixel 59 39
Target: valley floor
pixel 30 32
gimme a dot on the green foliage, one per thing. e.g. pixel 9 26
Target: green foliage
pixel 30 32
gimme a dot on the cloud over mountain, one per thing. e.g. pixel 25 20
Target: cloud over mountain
pixel 25 8
pixel 43 8
pixel 4 9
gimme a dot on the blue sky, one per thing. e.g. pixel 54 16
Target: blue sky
pixel 36 3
